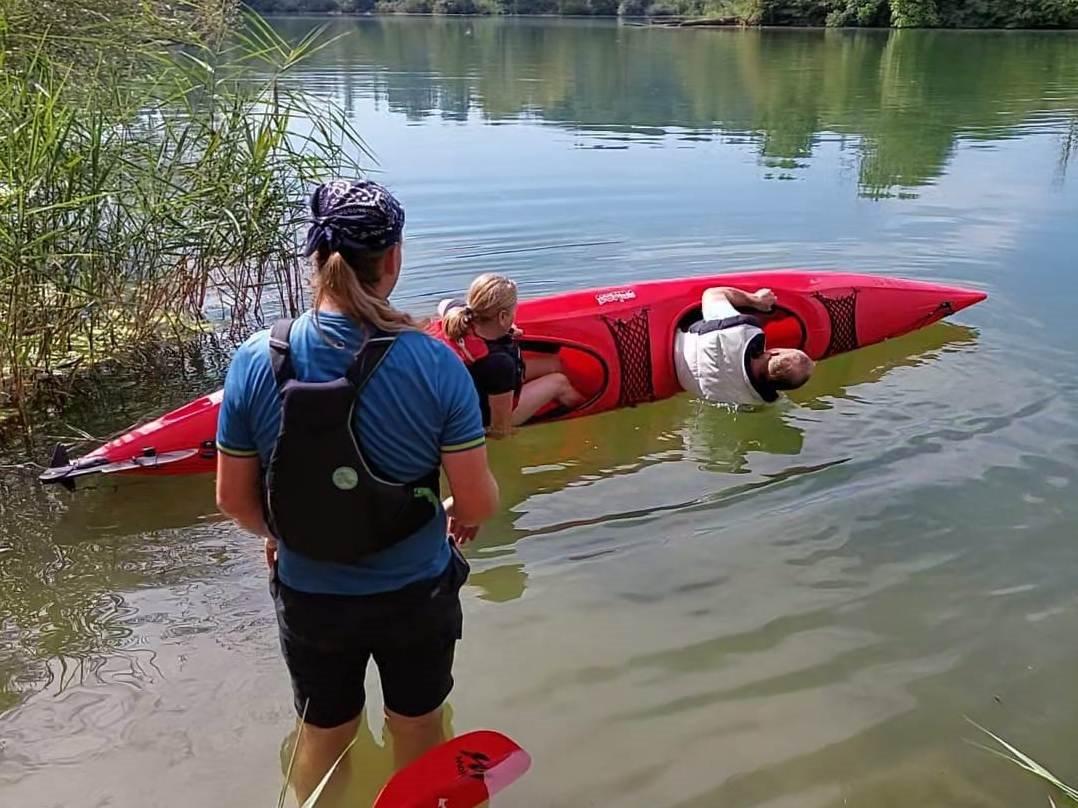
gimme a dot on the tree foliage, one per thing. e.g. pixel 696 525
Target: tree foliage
pixel 914 13
pixel 834 13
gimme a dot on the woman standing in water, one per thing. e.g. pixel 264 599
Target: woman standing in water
pixel 332 433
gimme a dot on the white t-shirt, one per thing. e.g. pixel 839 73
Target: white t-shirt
pixel 713 365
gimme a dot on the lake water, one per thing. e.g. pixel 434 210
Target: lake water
pixel 678 606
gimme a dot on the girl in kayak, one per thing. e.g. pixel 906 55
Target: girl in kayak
pixel 344 418
pixel 481 331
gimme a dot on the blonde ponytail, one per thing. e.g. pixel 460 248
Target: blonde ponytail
pixel 349 286
pixel 488 296
pixel 457 322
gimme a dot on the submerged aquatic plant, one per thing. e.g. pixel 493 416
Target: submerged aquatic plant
pixel 154 160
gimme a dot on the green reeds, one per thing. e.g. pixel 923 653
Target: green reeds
pixel 152 180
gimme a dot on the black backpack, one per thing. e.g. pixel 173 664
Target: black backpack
pixel 323 498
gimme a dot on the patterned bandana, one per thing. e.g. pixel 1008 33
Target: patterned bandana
pixel 354 216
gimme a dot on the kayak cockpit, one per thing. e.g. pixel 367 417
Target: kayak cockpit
pixel 586 369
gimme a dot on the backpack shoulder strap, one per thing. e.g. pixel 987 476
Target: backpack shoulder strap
pixel 280 351
pixel 369 358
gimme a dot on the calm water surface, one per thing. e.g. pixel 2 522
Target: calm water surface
pixel 678 606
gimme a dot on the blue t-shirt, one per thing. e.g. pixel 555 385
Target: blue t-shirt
pixel 419 403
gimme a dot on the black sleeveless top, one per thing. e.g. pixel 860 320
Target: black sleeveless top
pixel 500 371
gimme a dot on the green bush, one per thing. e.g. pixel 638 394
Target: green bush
pixel 663 8
pixel 573 8
pixel 454 7
pixel 860 12
pixel 914 13
pixel 412 6
pixel 1008 13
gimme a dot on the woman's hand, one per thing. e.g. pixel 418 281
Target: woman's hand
pixel 459 532
pixel 270 547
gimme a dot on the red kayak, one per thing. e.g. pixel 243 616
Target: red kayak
pixel 615 343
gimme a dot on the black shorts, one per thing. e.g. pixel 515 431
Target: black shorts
pixel 327 641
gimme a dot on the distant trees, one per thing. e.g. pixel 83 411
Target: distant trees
pixel 883 13
pixel 918 13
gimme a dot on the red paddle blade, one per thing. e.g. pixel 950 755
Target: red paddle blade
pixel 461 773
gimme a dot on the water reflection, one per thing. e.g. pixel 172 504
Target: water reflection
pixel 71 562
pixel 791 607
pixel 897 103
pixel 629 464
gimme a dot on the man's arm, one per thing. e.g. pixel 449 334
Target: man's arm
pixel 761 299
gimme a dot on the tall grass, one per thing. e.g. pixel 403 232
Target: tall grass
pixel 153 166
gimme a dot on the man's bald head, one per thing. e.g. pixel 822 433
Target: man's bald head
pixel 788 369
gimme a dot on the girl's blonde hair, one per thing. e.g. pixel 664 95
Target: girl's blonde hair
pixel 488 296
pixel 349 285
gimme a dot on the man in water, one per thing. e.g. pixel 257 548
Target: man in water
pixel 724 357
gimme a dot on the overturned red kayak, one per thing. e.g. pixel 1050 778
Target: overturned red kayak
pixel 615 343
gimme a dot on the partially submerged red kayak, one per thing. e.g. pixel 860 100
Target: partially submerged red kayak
pixel 615 344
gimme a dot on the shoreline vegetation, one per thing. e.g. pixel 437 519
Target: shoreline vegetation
pixel 968 14
pixel 152 169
